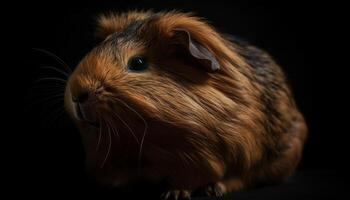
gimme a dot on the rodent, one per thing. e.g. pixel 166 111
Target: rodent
pixel 166 97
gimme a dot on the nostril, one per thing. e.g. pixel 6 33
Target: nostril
pixel 81 97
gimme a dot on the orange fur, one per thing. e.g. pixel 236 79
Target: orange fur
pixel 233 127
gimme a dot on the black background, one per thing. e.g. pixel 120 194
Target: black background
pixel 48 153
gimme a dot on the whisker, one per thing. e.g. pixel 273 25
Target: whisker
pixel 35 99
pixel 51 79
pixel 48 101
pixel 55 57
pixel 109 147
pixel 114 130
pixel 44 100
pixel 52 96
pixel 99 136
pixel 48 88
pixel 57 70
pixel 52 86
pixel 144 132
pixel 131 131
pixel 43 92
pixel 52 103
pixel 44 96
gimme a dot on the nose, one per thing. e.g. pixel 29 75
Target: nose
pixel 80 97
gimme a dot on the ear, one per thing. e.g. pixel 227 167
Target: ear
pixel 198 38
pixel 199 51
pixel 110 23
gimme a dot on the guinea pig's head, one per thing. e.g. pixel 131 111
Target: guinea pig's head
pixel 154 77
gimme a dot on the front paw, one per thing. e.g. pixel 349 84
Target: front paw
pixel 212 190
pixel 176 195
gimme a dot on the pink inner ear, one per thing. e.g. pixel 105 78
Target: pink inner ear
pixel 201 52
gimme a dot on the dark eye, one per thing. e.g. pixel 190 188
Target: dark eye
pixel 137 63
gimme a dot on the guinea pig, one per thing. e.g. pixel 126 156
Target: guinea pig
pixel 164 97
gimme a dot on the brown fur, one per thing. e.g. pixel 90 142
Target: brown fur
pixel 236 127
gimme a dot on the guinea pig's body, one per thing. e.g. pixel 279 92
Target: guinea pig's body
pixel 166 98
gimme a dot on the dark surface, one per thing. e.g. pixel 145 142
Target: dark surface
pixel 305 184
pixel 48 155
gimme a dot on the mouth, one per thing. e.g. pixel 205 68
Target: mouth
pixel 93 124
pixel 80 115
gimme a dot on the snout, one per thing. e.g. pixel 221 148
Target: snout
pixel 84 107
pixel 81 111
pixel 82 100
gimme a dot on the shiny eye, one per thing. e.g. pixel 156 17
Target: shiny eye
pixel 137 63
